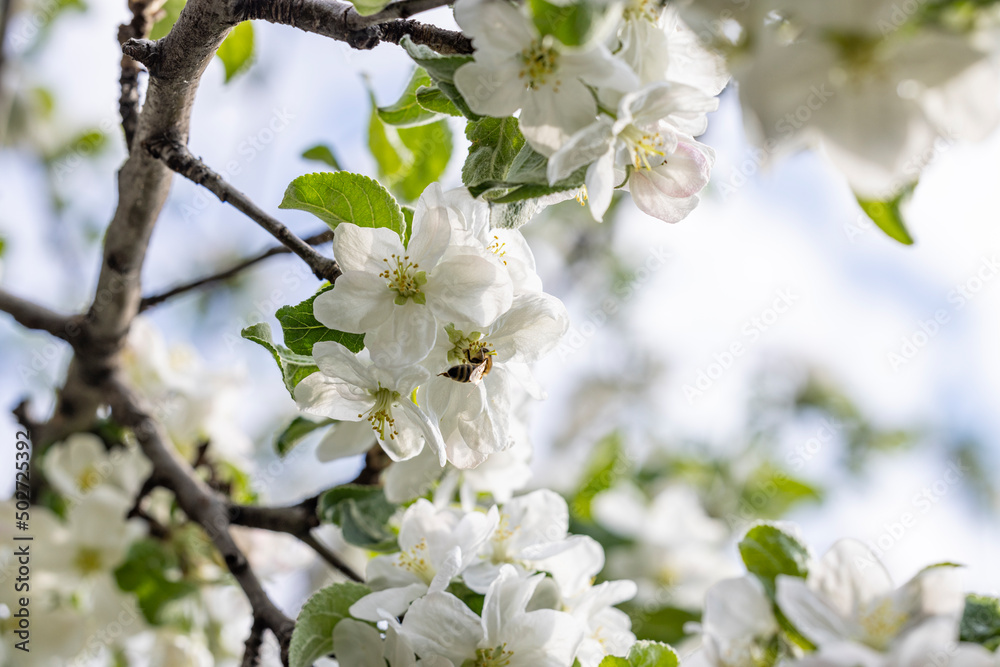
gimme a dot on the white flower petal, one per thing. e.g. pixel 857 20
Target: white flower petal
pixel 359 303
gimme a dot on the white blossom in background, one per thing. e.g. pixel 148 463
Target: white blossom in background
pixel 83 463
pixel 881 100
pixel 195 403
pixel 676 545
pixel 849 605
pixel 517 68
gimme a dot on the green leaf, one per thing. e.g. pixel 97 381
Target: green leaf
pixel 571 24
pixel 171 10
pixel 771 492
pixel 296 431
pixel 665 624
pixel 236 52
pixel 652 654
pixel 336 197
pixel 441 70
pixel 362 512
pixel 494 143
pixel 981 621
pixel 3 243
pixel 613 661
pixel 768 551
pixel 408 212
pixel 432 99
pixel 322 153
pixel 406 111
pixel 301 329
pixel 472 599
pixel 151 571
pixel 409 158
pixel 888 216
pixel 608 463
pixel 369 7
pixel 294 367
pixel 527 178
pixel 313 635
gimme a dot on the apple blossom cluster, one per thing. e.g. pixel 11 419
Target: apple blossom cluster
pixel 623 101
pixel 841 609
pixel 451 318
pixel 881 86
pixel 507 586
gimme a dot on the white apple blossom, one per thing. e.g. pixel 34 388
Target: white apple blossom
pixel 440 624
pixel 607 631
pixel 499 476
pixel 737 625
pixel 659 46
pixel 436 545
pixel 533 533
pixel 651 142
pixel 194 402
pixel 399 297
pixel 472 232
pixel 82 463
pixel 349 389
pixel 517 68
pixel 475 416
pixel 880 103
pixel 848 599
pixel 676 545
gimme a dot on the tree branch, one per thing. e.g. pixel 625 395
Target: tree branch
pixel 176 156
pixel 297 520
pixel 403 9
pixel 33 316
pixel 200 504
pixel 142 21
pixel 251 652
pixel 339 20
pixel 156 299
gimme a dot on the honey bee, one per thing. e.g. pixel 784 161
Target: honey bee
pixel 477 366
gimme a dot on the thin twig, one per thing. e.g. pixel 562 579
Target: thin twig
pixel 330 557
pixel 403 9
pixel 339 20
pixel 297 520
pixel 199 502
pixel 176 156
pixel 142 21
pixel 156 299
pixel 31 315
pixel 251 652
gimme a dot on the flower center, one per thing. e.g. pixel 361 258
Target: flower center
pixel 881 623
pixel 539 62
pixel 87 560
pixel 582 195
pixel 499 249
pixel 415 560
pixel 644 145
pixel 405 278
pixel 88 479
pixel 380 415
pixel 497 656
pixel 642 10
